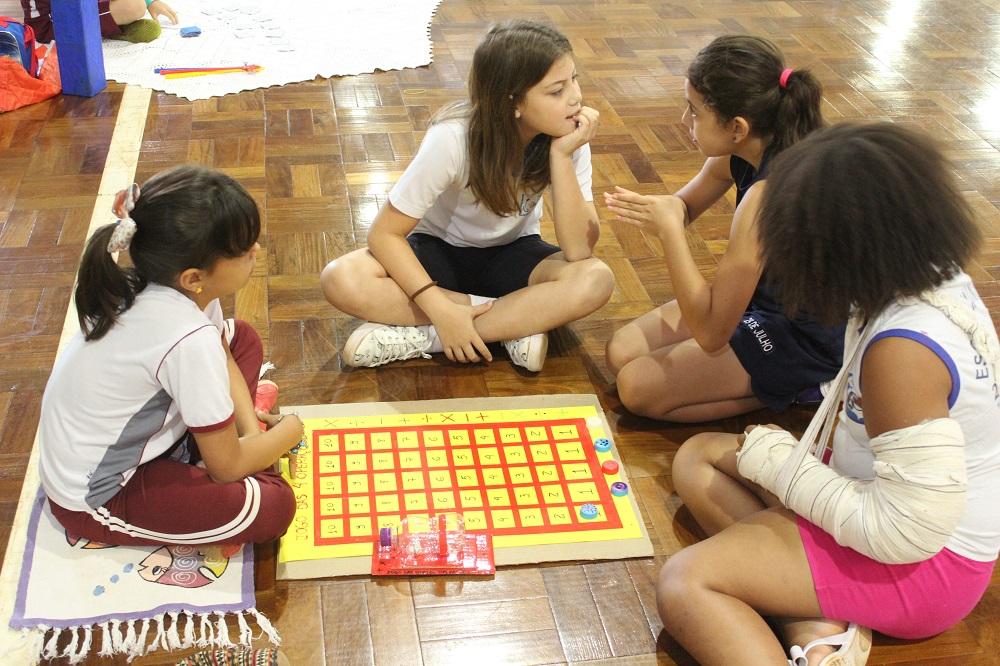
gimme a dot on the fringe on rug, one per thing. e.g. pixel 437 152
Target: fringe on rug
pixel 206 630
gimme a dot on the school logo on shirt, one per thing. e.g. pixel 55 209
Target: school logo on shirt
pixel 528 203
pixel 852 404
pixel 760 333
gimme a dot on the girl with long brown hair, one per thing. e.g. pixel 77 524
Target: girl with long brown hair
pixel 454 258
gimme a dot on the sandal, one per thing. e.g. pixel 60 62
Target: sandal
pixel 855 644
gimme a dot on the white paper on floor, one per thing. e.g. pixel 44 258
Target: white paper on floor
pixel 292 41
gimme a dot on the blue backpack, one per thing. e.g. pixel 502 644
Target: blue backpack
pixel 17 41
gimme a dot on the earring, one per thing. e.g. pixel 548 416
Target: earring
pixel 198 290
pixel 517 114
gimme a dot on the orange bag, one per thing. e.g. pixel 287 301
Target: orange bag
pixel 18 88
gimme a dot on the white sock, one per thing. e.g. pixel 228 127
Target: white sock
pixel 479 300
pixel 436 346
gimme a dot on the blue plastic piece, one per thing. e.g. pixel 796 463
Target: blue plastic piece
pixel 588 511
pixel 602 445
pixel 619 489
pixel 190 31
pixel 81 60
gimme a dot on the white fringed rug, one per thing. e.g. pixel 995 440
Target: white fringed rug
pixel 75 597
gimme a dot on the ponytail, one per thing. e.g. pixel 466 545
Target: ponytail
pixel 103 289
pixel 745 76
pixel 187 217
pixel 798 110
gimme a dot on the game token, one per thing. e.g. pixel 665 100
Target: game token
pixel 619 489
pixel 603 444
pixel 385 537
pixel 588 511
pixel 610 467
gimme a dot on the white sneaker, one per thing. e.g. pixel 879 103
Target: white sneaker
pixel 529 351
pixel 372 345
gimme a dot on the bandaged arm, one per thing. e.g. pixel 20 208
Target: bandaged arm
pixel 906 513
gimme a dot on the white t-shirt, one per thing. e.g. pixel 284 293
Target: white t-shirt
pixel 434 190
pixel 115 403
pixel 973 402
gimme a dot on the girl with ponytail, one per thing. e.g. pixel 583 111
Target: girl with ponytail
pixel 148 433
pixel 725 348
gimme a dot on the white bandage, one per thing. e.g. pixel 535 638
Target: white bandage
pixel 905 514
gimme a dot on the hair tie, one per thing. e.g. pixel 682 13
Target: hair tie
pixel 121 237
pixel 783 79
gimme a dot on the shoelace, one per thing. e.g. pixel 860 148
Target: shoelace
pixel 395 346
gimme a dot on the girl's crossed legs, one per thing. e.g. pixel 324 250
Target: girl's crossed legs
pixel 557 292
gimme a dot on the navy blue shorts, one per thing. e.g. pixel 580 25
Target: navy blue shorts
pixel 482 271
pixel 785 358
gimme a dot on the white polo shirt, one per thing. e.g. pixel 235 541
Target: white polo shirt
pixel 434 190
pixel 115 403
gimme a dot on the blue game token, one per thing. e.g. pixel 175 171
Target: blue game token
pixel 190 31
pixel 619 489
pixel 602 445
pixel 588 511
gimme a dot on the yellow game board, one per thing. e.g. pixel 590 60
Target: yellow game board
pixel 520 468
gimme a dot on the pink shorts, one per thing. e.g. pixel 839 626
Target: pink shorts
pixel 901 600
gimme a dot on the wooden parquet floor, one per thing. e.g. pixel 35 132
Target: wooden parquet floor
pixel 319 157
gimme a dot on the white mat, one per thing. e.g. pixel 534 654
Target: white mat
pixel 293 41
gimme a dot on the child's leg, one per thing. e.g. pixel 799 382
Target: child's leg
pixel 171 502
pixel 558 292
pixel 683 383
pixel 38 15
pixel 248 352
pixel 712 596
pixel 359 285
pixel 121 12
pixel 661 327
pixel 705 477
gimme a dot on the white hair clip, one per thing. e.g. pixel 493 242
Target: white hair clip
pixel 121 237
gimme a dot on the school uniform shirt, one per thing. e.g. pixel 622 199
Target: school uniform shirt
pixel 974 402
pixel 115 403
pixel 434 190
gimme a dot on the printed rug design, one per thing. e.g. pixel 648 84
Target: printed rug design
pixel 75 596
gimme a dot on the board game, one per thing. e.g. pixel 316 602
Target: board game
pixel 540 474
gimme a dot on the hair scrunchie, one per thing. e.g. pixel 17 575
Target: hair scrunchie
pixel 121 237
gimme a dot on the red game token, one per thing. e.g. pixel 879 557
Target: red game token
pixel 610 467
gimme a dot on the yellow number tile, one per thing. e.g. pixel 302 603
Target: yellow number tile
pixel 444 500
pixel 541 453
pixel 354 441
pixel 386 504
pixel 498 497
pixel 559 515
pixel 531 517
pixel 503 519
pixel 361 526
pixel 330 485
pixel 357 483
pixel 329 444
pixel 331 529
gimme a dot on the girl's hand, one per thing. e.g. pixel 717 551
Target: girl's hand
pixel 646 211
pixel 586 127
pixel 160 8
pixel 742 437
pixel 458 334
